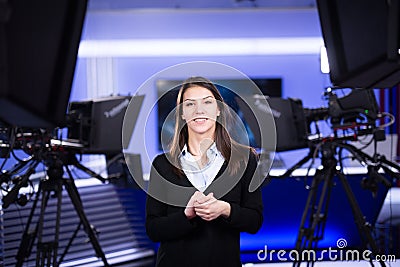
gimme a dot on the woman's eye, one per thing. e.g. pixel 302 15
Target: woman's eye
pixel 188 104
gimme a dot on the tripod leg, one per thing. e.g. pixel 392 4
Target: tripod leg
pixel 28 238
pixel 58 218
pixel 316 211
pixel 308 208
pixel 363 228
pixel 75 199
pixel 70 242
pixel 47 251
pixel 41 249
pixel 303 231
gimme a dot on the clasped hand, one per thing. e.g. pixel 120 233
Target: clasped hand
pixel 206 207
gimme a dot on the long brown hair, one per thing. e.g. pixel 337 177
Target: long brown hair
pixel 229 148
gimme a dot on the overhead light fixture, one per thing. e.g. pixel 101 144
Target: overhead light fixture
pixel 324 60
pixel 200 47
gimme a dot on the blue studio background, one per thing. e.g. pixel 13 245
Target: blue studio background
pixel 115 73
pixel 101 73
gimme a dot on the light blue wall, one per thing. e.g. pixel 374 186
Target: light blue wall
pixel 176 23
pixel 300 73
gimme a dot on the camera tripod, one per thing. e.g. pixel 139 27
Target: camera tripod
pixel 47 252
pixel 315 213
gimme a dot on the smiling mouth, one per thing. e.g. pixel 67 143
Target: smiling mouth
pixel 200 119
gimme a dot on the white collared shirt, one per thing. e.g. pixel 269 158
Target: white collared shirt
pixel 201 178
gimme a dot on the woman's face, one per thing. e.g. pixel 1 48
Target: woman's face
pixel 200 111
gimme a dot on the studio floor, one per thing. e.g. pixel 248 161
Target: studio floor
pixel 328 264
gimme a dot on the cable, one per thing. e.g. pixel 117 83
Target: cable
pixel 314 156
pixel 367 144
pixel 392 120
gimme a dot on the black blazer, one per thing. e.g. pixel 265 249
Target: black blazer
pixel 197 242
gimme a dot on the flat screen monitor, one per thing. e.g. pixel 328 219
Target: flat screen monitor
pixel 98 124
pixel 362 42
pixel 39 41
pixel 289 119
pixel 168 92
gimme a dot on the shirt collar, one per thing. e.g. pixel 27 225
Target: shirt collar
pixel 212 150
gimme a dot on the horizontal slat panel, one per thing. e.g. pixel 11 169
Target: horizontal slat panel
pixel 103 210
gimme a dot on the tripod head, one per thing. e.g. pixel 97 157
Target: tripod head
pixel 55 169
pixel 42 147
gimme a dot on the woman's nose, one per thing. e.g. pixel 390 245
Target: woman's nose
pixel 200 108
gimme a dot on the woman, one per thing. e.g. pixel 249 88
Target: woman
pixel 204 230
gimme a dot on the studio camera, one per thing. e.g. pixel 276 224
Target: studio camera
pixel 297 127
pixel 357 107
